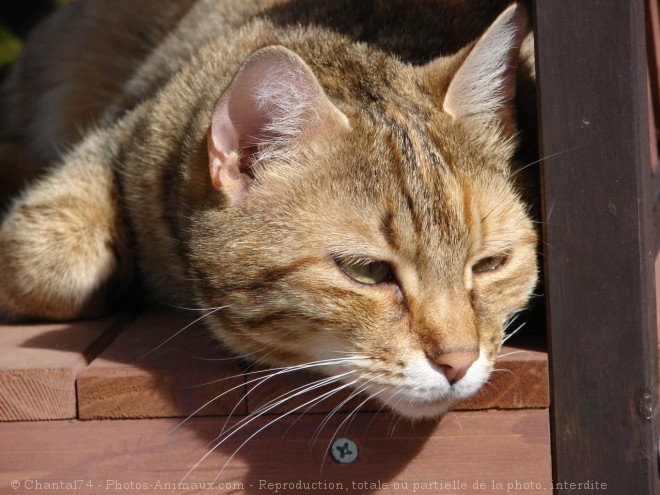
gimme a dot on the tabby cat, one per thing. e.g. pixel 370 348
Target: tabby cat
pixel 334 182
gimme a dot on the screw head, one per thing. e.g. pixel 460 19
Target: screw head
pixel 647 406
pixel 344 450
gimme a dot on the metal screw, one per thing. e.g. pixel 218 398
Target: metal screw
pixel 344 450
pixel 647 406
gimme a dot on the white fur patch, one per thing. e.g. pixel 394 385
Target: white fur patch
pixel 426 392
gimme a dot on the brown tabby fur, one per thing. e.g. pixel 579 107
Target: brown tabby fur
pixel 112 102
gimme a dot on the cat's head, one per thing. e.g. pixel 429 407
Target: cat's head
pixel 366 221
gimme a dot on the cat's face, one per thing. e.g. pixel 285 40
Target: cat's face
pixel 388 247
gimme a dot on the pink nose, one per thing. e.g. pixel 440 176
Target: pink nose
pixel 455 364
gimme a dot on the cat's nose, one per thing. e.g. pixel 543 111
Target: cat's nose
pixel 455 364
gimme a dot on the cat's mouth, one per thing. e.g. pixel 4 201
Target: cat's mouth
pixel 424 393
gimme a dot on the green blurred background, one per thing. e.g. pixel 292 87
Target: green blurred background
pixel 17 17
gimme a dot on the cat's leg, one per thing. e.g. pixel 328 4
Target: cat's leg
pixel 62 247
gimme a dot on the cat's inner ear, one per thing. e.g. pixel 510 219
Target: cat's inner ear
pixel 482 91
pixel 273 105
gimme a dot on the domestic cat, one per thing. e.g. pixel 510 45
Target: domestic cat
pixel 334 182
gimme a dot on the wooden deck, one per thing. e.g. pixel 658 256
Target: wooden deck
pixel 105 401
pixel 95 406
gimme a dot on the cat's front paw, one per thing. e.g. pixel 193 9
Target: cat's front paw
pixel 59 245
pixel 49 269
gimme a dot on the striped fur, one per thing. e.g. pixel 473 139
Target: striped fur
pixel 405 181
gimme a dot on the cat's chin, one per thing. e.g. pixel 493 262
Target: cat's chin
pixel 422 410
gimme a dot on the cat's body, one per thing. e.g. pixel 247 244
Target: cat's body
pixel 253 157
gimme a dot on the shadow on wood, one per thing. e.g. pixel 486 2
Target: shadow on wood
pixel 159 366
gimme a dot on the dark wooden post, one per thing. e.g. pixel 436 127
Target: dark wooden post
pixel 591 64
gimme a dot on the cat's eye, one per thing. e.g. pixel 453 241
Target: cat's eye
pixel 489 264
pixel 370 273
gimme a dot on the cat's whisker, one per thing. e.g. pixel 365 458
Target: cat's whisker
pixel 380 410
pixel 210 401
pixel 350 421
pixel 511 354
pixel 185 308
pixel 325 421
pixel 510 320
pixel 493 209
pixel 398 418
pixel 297 367
pixel 255 415
pixel 549 211
pixel 239 402
pixel 545 243
pixel 456 420
pixel 511 334
pixel 500 370
pixel 262 358
pixel 260 379
pixel 305 411
pixel 328 416
pixel 233 358
pixel 299 416
pixel 233 377
pixel 516 172
pixel 481 393
pixel 489 383
pixel 302 388
pixel 393 418
pixel 180 331
pixel 322 382
pixel 280 400
pixel 277 418
pixel 347 418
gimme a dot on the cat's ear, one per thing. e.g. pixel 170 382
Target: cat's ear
pixel 483 89
pixel 272 105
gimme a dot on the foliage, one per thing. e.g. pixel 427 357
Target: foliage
pixel 10 46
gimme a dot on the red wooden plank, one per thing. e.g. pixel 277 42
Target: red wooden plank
pixel 129 381
pixel 39 364
pixel 520 381
pixel 494 450
pixel 151 370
